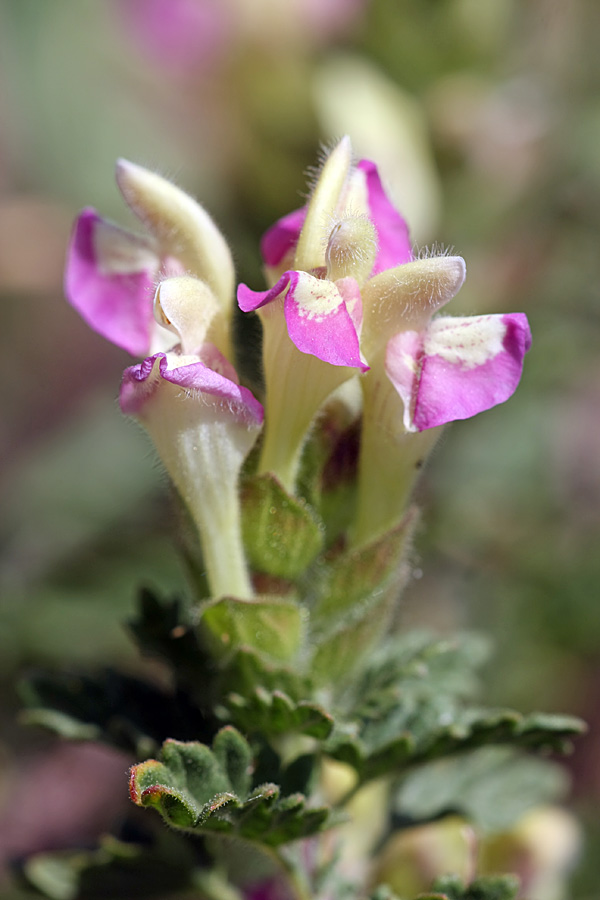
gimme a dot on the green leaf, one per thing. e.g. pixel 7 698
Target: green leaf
pixel 411 713
pixel 246 669
pixel 117 709
pixel 422 729
pixel 272 713
pixel 493 787
pixel 450 887
pixel 496 887
pixel 354 599
pixel 235 758
pixel 351 582
pixel 271 626
pixel 164 628
pixel 194 788
pixel 282 534
pixel 418 662
pixel 114 869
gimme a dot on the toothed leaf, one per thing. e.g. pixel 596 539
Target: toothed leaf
pixel 274 713
pixel 194 788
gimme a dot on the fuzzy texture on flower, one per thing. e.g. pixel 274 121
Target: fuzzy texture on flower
pixel 203 425
pixel 324 316
pixel 195 377
pixel 393 242
pixel 457 368
pixel 443 369
pixel 110 279
pixel 321 315
pixel 111 273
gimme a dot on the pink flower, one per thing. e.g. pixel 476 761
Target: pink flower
pixel 203 424
pixel 180 34
pixel 110 280
pixel 457 367
pixel 196 378
pixel 111 273
pixel 380 314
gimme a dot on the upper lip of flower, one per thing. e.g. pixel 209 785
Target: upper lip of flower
pixel 397 298
pixel 111 273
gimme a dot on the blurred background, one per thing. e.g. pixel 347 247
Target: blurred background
pixel 485 120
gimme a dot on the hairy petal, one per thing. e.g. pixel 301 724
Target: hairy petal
pixel 282 237
pixel 319 320
pixel 249 301
pixel 181 227
pixel 460 367
pixel 392 231
pixel 109 280
pixel 141 381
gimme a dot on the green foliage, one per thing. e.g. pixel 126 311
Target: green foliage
pixel 499 887
pixel 198 788
pixel 492 787
pixel 164 628
pixel 349 582
pixel 273 713
pixel 282 535
pixel 116 709
pixel 271 626
pixel 116 869
pixel 409 712
pixel 352 598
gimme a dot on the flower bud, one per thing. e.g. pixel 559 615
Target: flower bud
pixel 188 308
pixel 322 207
pixel 351 249
pixel 181 226
pixel 406 297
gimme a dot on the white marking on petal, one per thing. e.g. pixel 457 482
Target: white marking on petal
pixel 315 298
pixel 466 341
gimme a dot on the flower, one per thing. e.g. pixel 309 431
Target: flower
pixel 457 367
pixel 201 420
pixel 352 295
pixel 333 245
pixel 111 273
pixel 203 424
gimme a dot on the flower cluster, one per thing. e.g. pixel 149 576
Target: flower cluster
pixel 347 305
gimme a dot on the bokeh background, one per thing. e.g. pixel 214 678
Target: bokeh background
pixel 484 116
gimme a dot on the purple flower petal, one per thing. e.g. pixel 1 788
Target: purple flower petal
pixel 323 317
pixel 393 237
pixel 109 280
pixel 141 381
pixel 282 237
pixel 249 301
pixel 392 230
pixel 319 321
pixel 459 367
